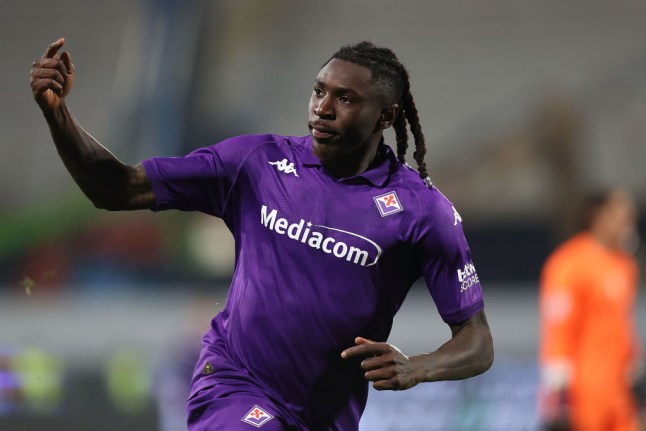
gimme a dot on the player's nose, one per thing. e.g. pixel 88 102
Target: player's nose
pixel 324 108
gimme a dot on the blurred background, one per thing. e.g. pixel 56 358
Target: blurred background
pixel 526 105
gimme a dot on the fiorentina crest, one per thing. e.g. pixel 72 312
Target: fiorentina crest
pixel 388 204
pixel 257 417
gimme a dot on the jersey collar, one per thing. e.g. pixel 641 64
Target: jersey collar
pixel 377 174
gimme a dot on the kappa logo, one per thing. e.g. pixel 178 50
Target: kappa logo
pixel 457 219
pixel 285 166
pixel 257 416
pixel 388 204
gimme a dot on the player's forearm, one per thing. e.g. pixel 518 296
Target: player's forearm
pixel 467 354
pixel 99 174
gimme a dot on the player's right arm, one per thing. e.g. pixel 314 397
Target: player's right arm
pixel 559 309
pixel 106 181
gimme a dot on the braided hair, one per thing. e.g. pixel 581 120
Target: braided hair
pixel 392 77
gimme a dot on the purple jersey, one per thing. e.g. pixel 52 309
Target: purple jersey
pixel 319 261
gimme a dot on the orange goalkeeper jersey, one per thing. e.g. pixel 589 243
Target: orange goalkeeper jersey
pixel 587 298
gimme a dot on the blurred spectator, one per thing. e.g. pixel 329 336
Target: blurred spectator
pixel 41 379
pixel 129 381
pixel 589 346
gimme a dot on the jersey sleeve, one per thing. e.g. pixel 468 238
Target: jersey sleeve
pixel 446 261
pixel 202 180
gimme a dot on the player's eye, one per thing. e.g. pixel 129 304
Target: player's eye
pixel 345 100
pixel 318 91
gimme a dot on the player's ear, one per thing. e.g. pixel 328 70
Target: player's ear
pixel 388 115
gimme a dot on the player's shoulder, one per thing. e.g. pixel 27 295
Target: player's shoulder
pixel 242 148
pixel 572 255
pixel 579 245
pixel 251 142
pixel 432 205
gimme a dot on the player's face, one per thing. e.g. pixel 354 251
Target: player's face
pixel 619 218
pixel 345 111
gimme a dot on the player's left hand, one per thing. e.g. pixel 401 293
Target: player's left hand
pixel 384 364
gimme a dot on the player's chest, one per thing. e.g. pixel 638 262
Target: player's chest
pixel 343 218
pixel 612 287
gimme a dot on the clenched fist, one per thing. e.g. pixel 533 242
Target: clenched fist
pixel 52 77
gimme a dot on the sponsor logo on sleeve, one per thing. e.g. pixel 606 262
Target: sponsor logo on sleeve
pixel 257 416
pixel 388 204
pixel 467 276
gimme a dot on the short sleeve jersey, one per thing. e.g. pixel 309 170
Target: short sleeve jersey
pixel 319 261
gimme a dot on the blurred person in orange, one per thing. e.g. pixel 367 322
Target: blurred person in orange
pixel 589 348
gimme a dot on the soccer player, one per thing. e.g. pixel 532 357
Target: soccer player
pixel 331 231
pixel 589 342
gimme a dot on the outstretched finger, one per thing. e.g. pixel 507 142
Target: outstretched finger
pixel 361 340
pixel 53 48
pixel 365 350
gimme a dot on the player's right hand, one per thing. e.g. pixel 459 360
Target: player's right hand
pixel 555 410
pixel 52 77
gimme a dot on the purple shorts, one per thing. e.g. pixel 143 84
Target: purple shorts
pixel 225 397
pixel 233 408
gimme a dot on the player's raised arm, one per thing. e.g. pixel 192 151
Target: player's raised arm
pixel 107 182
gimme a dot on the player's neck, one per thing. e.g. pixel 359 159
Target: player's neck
pixel 352 163
pixel 604 239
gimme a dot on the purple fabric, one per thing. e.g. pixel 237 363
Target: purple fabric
pixel 319 261
pixel 233 408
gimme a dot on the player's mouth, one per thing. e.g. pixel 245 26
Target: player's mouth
pixel 321 133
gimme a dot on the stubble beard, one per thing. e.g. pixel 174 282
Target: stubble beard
pixel 326 152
